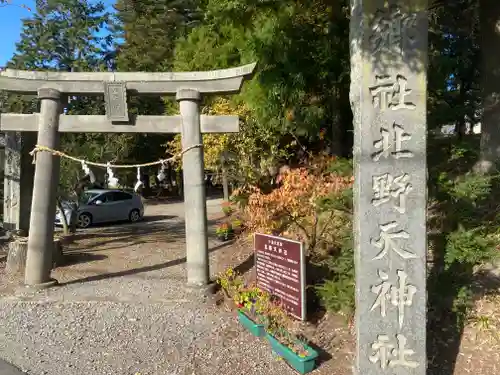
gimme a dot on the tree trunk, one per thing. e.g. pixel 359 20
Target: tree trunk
pixel 490 85
pixel 63 216
pixel 225 181
pixel 73 220
pixel 146 187
pixel 461 126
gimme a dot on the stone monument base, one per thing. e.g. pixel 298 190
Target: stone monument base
pixel 18 248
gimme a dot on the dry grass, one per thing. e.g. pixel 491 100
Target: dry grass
pixel 480 349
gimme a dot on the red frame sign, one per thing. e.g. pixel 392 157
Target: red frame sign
pixel 280 270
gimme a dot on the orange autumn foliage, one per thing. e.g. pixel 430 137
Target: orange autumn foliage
pixel 293 209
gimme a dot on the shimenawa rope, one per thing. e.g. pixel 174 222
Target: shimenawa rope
pixel 39 148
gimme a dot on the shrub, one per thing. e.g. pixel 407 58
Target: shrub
pixel 337 292
pixel 463 223
pixel 297 208
pixel 468 247
pixel 314 204
pixel 237 226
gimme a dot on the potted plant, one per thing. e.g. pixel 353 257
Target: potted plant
pixel 250 301
pixel 227 208
pixel 224 232
pixel 231 282
pixel 288 346
pixel 252 304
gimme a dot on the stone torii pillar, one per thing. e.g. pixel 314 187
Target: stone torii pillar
pixel 43 208
pixel 189 88
pixel 195 202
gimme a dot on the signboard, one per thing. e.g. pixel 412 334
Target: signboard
pixel 280 268
pixel 115 96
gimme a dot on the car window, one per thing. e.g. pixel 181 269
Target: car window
pixel 121 196
pixel 87 196
pixel 106 197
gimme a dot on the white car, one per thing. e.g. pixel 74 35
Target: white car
pixel 104 206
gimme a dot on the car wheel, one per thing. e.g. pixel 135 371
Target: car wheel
pixel 84 220
pixel 134 216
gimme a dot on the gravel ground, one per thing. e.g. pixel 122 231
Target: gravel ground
pixel 168 331
pixel 124 309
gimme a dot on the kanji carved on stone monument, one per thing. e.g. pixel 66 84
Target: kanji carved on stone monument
pixel 390 354
pixel 386 188
pixel 115 96
pixel 391 143
pixel 390 94
pixel 400 295
pixel 391 240
pixel 393 31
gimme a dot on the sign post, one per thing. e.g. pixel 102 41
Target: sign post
pixel 281 270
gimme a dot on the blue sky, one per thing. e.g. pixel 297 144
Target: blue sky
pixel 10 26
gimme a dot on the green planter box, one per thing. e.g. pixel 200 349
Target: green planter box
pixel 255 329
pixel 301 364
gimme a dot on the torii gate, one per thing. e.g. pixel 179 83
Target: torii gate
pixel 52 87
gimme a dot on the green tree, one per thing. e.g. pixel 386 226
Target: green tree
pixel 66 36
pixel 145 33
pixel 454 96
pixel 303 54
pixel 149 30
pixel 63 35
pixel 300 93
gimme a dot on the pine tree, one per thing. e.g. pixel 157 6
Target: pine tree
pixel 63 35
pixel 149 30
pixel 70 35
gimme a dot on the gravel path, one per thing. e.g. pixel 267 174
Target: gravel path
pixel 137 319
pixel 72 330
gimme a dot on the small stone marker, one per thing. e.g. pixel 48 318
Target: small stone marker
pixel 280 270
pixel 388 97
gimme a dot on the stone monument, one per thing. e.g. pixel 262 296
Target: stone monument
pixel 18 180
pixel 52 87
pixel 388 97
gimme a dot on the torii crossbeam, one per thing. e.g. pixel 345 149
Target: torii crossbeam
pixel 52 87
